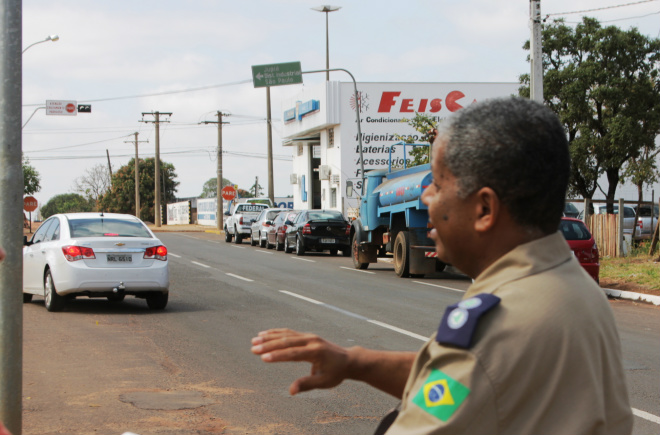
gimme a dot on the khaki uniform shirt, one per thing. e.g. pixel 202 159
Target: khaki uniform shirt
pixel 545 361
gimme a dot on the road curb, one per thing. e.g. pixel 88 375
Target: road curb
pixel 632 296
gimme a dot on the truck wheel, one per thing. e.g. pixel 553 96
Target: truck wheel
pixel 238 239
pixel 354 251
pixel 402 254
pixel 227 236
pixel 439 266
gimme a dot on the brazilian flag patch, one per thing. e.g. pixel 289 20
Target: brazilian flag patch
pixel 441 395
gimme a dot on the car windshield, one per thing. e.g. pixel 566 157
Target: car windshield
pixel 574 230
pixel 107 227
pixel 326 215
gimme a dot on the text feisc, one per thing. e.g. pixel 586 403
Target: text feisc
pixel 388 100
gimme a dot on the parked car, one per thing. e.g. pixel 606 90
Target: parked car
pixel 319 230
pixel 646 221
pixel 277 230
pixel 259 233
pixel 582 244
pixel 238 224
pixel 95 255
pixel 628 217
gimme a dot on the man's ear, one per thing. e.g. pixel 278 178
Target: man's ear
pixel 487 205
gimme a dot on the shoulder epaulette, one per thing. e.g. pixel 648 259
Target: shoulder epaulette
pixel 460 320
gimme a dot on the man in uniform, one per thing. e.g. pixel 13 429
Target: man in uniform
pixel 532 348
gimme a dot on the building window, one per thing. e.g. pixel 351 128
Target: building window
pixel 333 197
pixel 331 137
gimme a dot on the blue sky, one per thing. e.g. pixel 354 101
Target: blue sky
pixel 144 51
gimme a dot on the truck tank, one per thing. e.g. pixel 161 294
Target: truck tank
pixel 406 186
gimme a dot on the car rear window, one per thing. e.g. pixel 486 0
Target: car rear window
pixel 326 215
pixel 107 227
pixel 272 214
pixel 574 230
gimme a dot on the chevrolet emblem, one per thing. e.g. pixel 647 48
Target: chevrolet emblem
pixel 120 244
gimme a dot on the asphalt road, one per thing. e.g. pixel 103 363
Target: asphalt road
pixel 106 368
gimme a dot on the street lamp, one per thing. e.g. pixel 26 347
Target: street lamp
pixel 326 9
pixel 48 38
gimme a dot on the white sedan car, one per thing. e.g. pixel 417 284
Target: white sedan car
pixel 95 255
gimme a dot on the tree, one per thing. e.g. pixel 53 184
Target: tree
pixel 121 196
pixel 66 203
pixel 31 178
pixel 425 124
pixel 94 183
pixel 603 84
pixel 257 189
pixel 209 190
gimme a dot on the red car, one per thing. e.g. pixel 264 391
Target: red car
pixel 277 231
pixel 582 244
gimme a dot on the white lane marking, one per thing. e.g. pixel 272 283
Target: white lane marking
pixel 264 252
pixel 356 270
pixel 440 286
pixel 240 277
pixel 303 259
pixel 357 316
pixel 238 247
pixel 399 330
pixel 174 255
pixel 200 264
pixel 646 416
pixel 304 298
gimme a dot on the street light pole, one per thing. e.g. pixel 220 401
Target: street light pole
pixel 48 38
pixel 326 9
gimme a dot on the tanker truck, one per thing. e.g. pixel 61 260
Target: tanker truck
pixel 393 220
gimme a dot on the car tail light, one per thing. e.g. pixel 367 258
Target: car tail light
pixel 75 253
pixel 240 220
pixel 307 229
pixel 156 253
pixel 283 229
pixel 595 255
pixel 640 224
pixel 348 229
pixel 110 235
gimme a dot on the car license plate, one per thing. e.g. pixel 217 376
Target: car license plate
pixel 120 258
pixel 327 240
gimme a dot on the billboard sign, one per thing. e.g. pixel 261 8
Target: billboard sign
pixel 61 108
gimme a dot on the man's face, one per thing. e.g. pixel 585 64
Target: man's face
pixel 450 215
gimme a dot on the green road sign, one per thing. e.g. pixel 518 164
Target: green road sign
pixel 276 74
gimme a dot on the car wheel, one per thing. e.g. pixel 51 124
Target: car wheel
pixel 402 254
pixel 252 241
pixel 262 242
pixel 52 300
pixel 157 301
pixel 27 297
pixel 237 237
pixel 278 246
pixel 354 251
pixel 346 252
pixel 116 297
pixel 300 248
pixel 287 247
pixel 333 251
pixel 227 236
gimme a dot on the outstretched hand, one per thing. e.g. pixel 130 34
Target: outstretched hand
pixel 330 363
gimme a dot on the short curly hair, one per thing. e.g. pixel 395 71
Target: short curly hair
pixel 518 148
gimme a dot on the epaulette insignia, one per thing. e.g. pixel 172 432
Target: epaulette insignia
pixel 460 320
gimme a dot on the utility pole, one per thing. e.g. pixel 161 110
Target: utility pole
pixel 218 195
pixel 137 174
pixel 271 189
pixel 536 52
pixel 107 153
pixel 157 122
pixel 11 218
pixel 256 186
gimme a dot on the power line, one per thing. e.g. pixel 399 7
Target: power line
pixel 599 9
pixel 619 19
pixel 179 91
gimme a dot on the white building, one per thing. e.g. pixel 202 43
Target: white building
pixel 320 124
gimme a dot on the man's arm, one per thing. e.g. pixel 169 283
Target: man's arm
pixel 332 364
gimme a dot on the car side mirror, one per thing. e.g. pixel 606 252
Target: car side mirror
pixel 227 213
pixel 25 241
pixel 349 188
pixel 269 222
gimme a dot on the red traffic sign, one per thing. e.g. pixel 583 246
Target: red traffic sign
pixel 30 203
pixel 228 193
